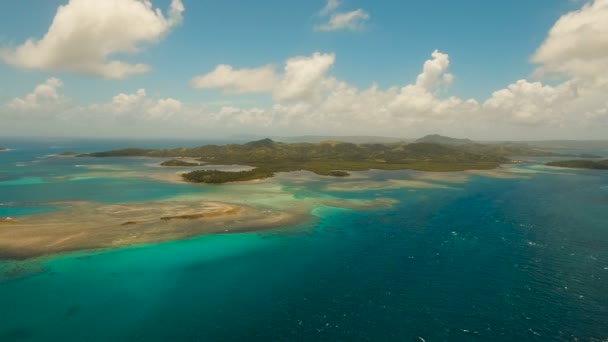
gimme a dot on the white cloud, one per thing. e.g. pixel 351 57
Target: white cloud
pixel 434 73
pixel 577 45
pixel 531 103
pixel 330 7
pixel 45 97
pixel 86 34
pixel 225 77
pixel 140 108
pixel 576 49
pixel 309 100
pixel 301 78
pixel 353 20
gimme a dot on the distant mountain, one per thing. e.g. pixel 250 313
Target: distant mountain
pixel 261 143
pixel 443 140
pixel 581 164
pixel 354 139
pixel 598 145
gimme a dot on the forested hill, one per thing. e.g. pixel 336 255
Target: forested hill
pixel 330 158
pixel 581 164
pixel 267 150
pixel 440 139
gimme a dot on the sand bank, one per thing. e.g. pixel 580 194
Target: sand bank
pixel 87 225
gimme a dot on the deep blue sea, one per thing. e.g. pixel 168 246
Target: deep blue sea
pixel 488 258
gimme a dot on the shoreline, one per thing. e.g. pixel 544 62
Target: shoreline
pixel 91 226
pixel 84 226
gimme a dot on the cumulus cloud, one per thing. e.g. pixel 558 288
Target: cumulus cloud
pixel 309 100
pixel 45 97
pixel 434 73
pixel 257 80
pixel 577 45
pixel 531 102
pixel 330 7
pixel 138 107
pixel 86 34
pixel 352 20
pixel 576 49
pixel 301 78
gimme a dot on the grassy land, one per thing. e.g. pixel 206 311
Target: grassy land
pixel 581 164
pixel 332 158
pixel 176 162
pixel 218 177
pixel 327 168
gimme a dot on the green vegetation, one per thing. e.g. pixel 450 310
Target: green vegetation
pixel 338 173
pixel 581 164
pixel 332 158
pixel 177 162
pixel 218 177
pixel 127 152
pixel 440 139
pixel 359 139
pixel 586 155
pixel 3 149
pixel 68 154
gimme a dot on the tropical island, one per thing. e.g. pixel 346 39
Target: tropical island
pixel 179 163
pixel 581 164
pixel 82 225
pixel 333 158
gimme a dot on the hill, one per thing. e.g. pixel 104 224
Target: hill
pixel 581 164
pixel 597 145
pixel 330 158
pixel 350 139
pixel 440 139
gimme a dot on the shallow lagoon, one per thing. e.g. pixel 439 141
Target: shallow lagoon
pixel 515 254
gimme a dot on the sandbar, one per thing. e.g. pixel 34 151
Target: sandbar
pixel 88 225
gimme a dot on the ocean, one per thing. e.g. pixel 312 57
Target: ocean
pixel 520 255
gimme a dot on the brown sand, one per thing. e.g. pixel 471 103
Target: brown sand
pixel 87 225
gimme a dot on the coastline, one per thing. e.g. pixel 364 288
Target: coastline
pixel 252 205
pixel 83 226
pixel 91 226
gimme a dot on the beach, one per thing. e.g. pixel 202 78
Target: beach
pixel 88 225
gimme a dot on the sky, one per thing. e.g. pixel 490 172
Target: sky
pixel 500 70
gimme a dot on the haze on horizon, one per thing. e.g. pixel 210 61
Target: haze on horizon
pixel 180 68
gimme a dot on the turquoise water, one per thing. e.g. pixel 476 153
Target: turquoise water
pixel 489 259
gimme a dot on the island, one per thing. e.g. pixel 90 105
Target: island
pixel 3 149
pixel 581 164
pixel 440 139
pixel 587 155
pixel 333 158
pixel 68 154
pixel 179 163
pixel 82 225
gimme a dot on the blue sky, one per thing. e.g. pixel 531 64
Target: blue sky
pixel 490 45
pixel 483 38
